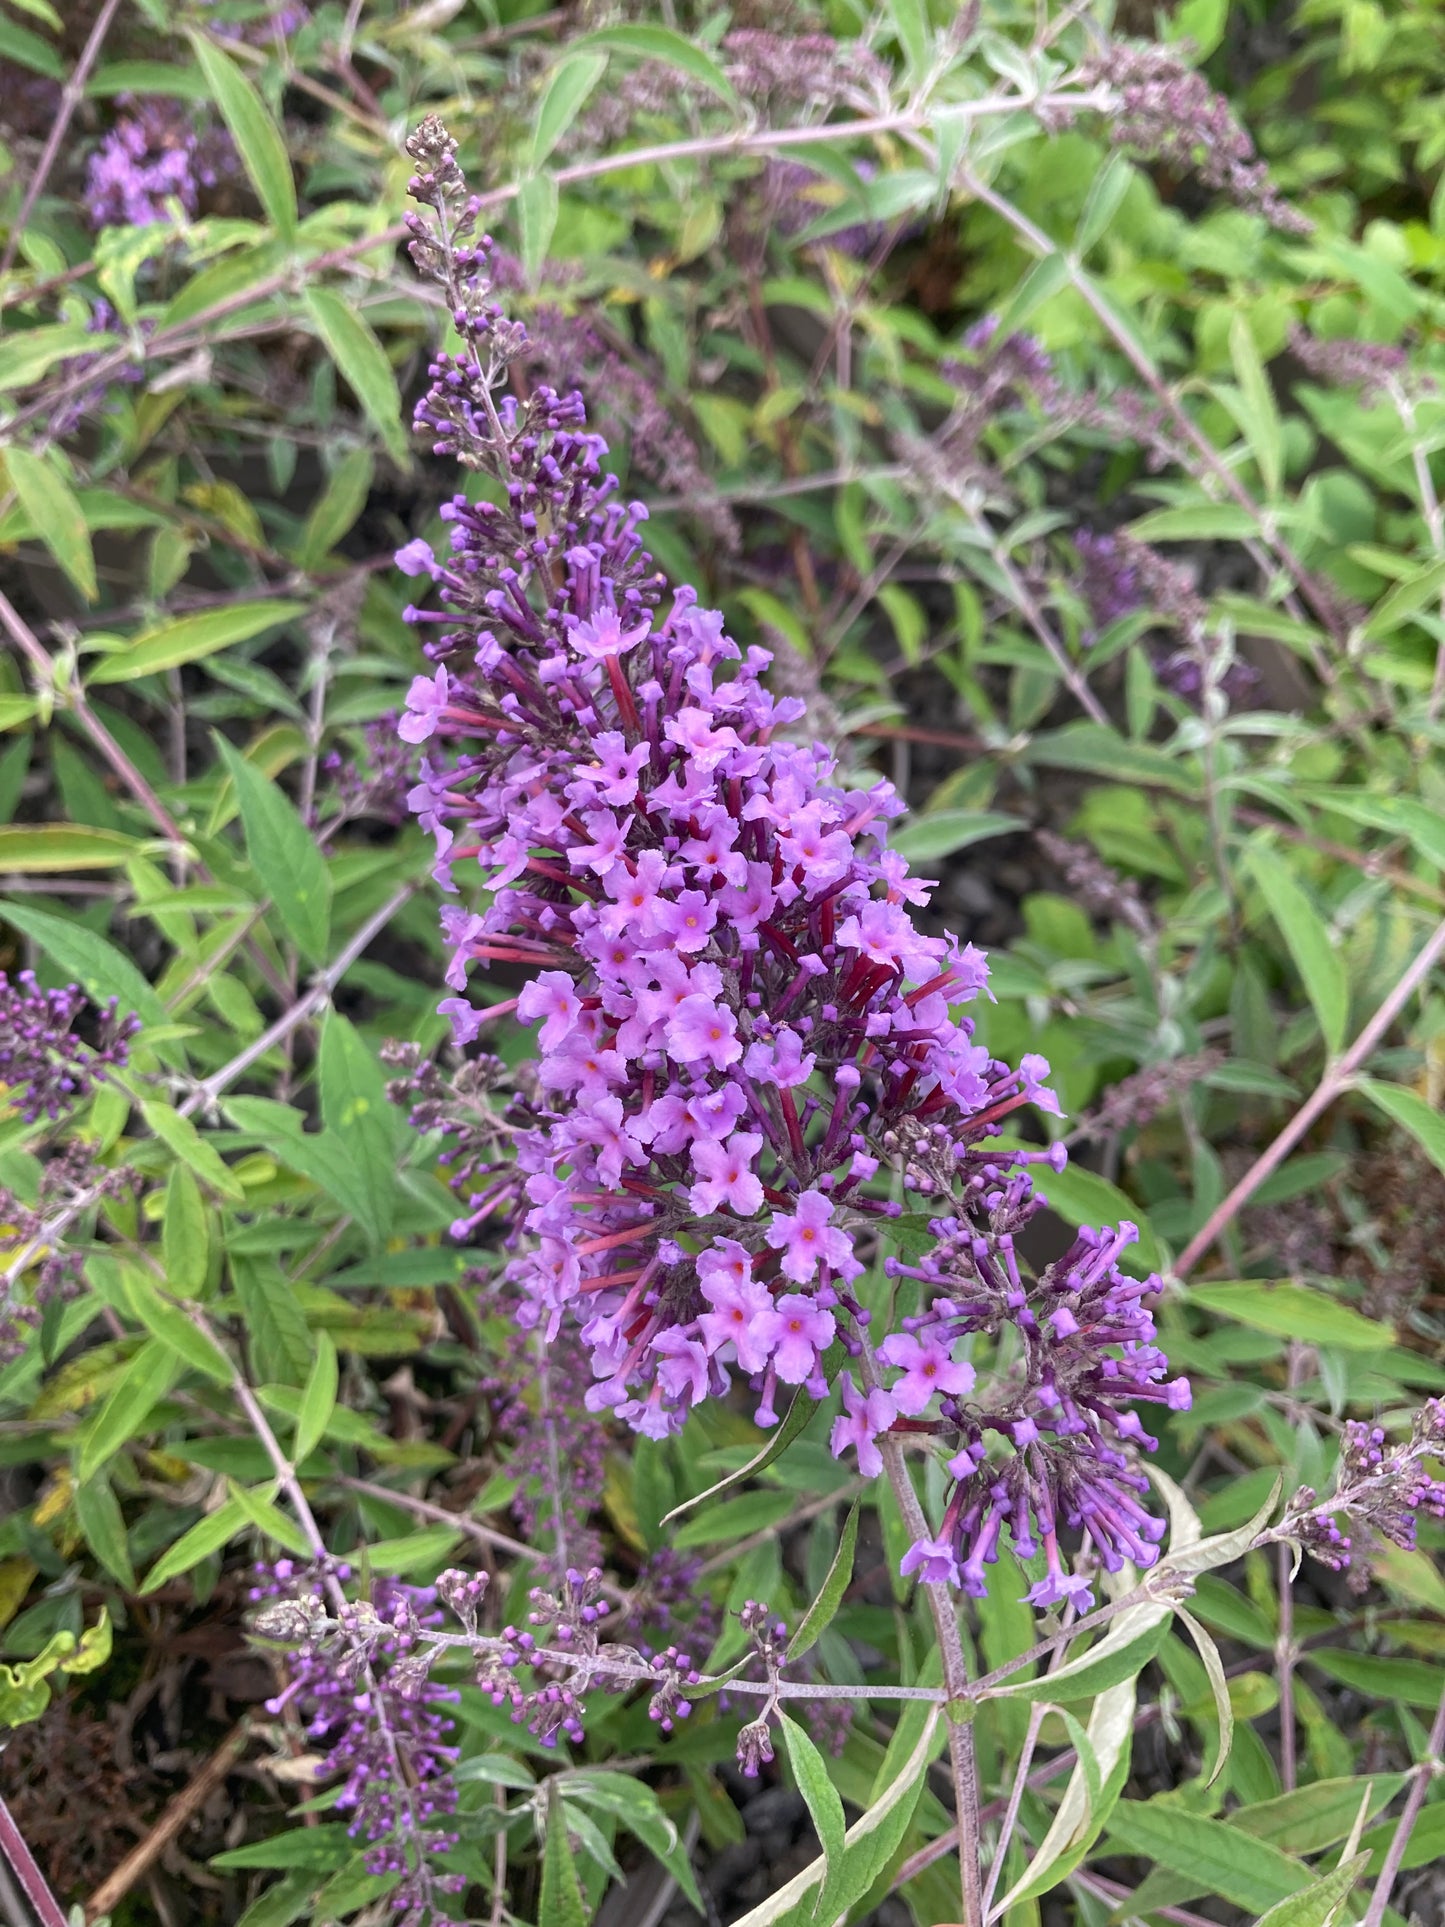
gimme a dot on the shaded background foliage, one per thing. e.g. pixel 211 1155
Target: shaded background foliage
pixel 905 402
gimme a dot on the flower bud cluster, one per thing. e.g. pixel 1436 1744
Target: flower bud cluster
pixel 1380 1491
pixel 1165 111
pixel 71 1172
pixel 45 1069
pixel 571 1661
pixel 360 1676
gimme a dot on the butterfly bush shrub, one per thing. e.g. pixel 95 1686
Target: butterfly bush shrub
pixel 657 1382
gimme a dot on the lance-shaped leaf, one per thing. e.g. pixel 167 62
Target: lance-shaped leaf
pixel 1084 1808
pixel 798 1414
pixel 830 1595
pixel 283 853
pixel 359 355
pixel 868 1845
pixel 257 137
pixel 1126 1647
pixel 562 1904
pixel 49 500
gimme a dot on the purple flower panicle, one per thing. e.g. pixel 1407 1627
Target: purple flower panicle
pixel 360 1679
pixel 740 1022
pixel 45 1069
pixel 153 155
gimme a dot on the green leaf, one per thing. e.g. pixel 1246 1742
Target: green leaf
pixel 561 1904
pixel 27 49
pixel 144 1382
pixel 179 1135
pixel 50 502
pixel 830 1595
pixel 39 848
pixel 354 1105
pixel 1126 1647
pixel 1319 1815
pixel 1427 1839
pixel 336 512
pixel 795 1419
pixel 276 1328
pixel 868 1845
pixel 1411 1113
pixel 282 1903
pixel 206 1536
pixel 1261 415
pixel 189 638
pixel 1396 608
pixel 1047 277
pixel 536 220
pixel 26 355
pixel 101 970
pixel 268 1520
pixel 1412 1682
pixel 500 1769
pixel 568 87
pixel 1292 1311
pixel 1420 826
pixel 283 853
pixel 940 833
pixel 661 43
pixel 826 1811
pixel 1103 752
pixel 318 1400
pixel 1218 1686
pixel 98 1511
pixel 145 77
pixel 170 1325
pixel 1224 1861
pixel 909 19
pixel 359 355
pixel 1315 953
pixel 185 1234
pixel 1317 1904
pixel 1081 1814
pixel 257 137
pixel 635 1804
pixel 734 1518
pixel 418 1550
pixel 1109 187
pixel 1201 22
pixel 321 1156
pixel 323 1849
pixel 1198 522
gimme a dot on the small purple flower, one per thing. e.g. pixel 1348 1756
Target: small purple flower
pixel 416 558
pixel 741 1307
pixel 426 703
pixel 865 1417
pixel 551 998
pixel 807 1237
pixel 799 1334
pixel 604 635
pixel 927 1366
pixel 703 1031
pixel 932 1560
pixel 725 1174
